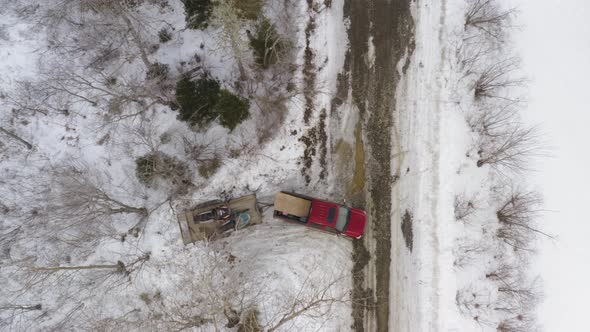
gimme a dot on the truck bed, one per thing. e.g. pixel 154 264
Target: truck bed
pixel 293 205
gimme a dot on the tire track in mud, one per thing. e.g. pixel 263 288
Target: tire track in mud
pixel 390 25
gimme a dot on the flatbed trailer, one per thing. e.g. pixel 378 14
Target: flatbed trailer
pixel 192 229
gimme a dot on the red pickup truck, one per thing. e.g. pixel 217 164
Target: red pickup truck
pixel 325 216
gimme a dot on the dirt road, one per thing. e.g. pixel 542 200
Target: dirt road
pixel 380 34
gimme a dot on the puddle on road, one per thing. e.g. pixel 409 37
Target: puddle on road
pixel 357 186
pixel 351 159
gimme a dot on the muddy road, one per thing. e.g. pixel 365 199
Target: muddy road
pixel 380 35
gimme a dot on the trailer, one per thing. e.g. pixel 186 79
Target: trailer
pixel 217 218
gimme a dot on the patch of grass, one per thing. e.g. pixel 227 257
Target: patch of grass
pixel 157 71
pixel 249 9
pixel 165 138
pixel 104 139
pixel 358 179
pixel 160 165
pixel 250 321
pixel 164 35
pixel 208 168
pixel 145 297
pixel 197 13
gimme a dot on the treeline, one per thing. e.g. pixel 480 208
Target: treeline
pixel 502 228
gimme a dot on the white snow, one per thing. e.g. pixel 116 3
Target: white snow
pixel 278 259
pixel 437 158
pixel 555 56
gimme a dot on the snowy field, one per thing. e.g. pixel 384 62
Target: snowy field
pixel 128 269
pixel 89 88
pixel 464 155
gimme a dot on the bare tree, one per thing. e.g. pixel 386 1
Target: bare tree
pixel 105 24
pixel 201 149
pixel 118 267
pixel 517 218
pixel 524 322
pixel 217 293
pixel 467 251
pixel 16 137
pixel 494 119
pixel 92 44
pixel 12 314
pixel 82 195
pixel 156 168
pixel 470 52
pixel 474 302
pixel 78 210
pixel 508 306
pixel 512 149
pixel 488 17
pixel 504 271
pixel 315 298
pixel 226 17
pixel 66 89
pixel 514 293
pixel 517 296
pixel 496 78
pixel 212 294
pixel 463 208
pixel 77 278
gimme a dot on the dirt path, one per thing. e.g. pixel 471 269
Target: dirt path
pixel 372 84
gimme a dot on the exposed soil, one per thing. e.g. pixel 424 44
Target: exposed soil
pixel 315 141
pixel 390 24
pixel 407 231
pixel 366 163
pixel 309 70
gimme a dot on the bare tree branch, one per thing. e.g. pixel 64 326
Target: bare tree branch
pixel 488 17
pixel 496 78
pixel 511 149
pixel 517 215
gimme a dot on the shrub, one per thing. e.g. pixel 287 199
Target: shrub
pixel 146 168
pixel 249 9
pixel 196 99
pixel 202 101
pixel 157 71
pixel 160 165
pixel 250 321
pixel 197 13
pixel 208 167
pixel 145 297
pixel 232 109
pixel 407 230
pixel 267 43
pixel 164 35
pixel 165 138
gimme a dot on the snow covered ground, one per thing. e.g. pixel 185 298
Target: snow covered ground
pixel 446 280
pixel 450 269
pixel 558 101
pixel 296 278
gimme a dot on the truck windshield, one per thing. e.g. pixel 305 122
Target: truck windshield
pixel 342 223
